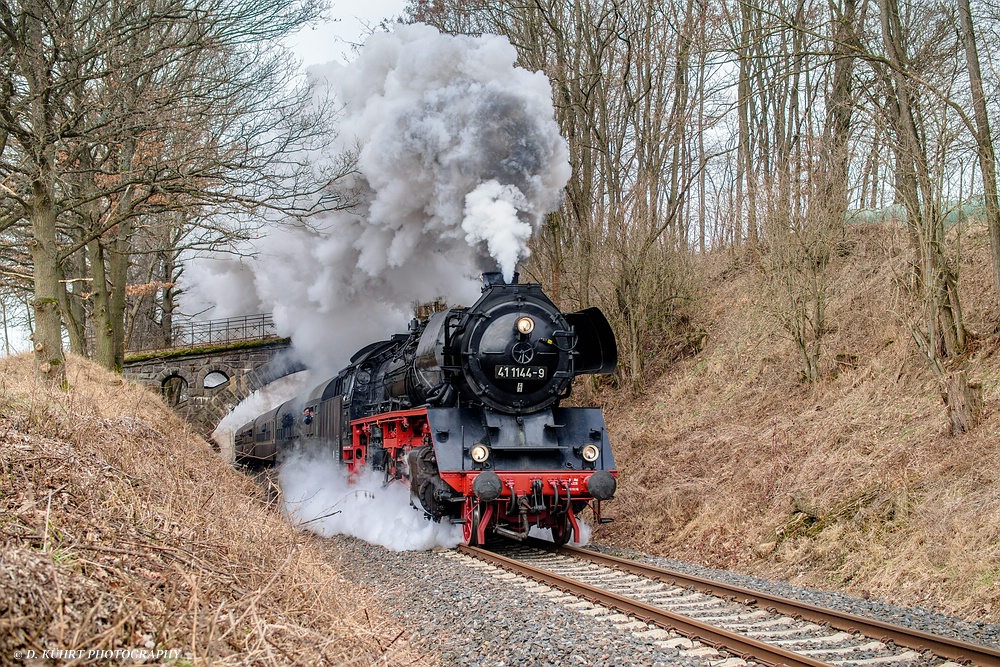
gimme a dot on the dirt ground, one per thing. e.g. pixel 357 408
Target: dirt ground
pixel 854 483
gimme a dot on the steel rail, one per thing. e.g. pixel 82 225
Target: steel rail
pixel 918 640
pixel 731 642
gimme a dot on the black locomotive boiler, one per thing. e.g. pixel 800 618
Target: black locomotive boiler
pixel 465 408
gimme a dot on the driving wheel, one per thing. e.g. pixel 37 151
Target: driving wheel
pixel 472 513
pixel 563 530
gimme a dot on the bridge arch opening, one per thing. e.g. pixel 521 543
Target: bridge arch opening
pixel 215 379
pixel 175 390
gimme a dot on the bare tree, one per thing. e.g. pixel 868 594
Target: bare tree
pixel 749 56
pixel 15 287
pixel 802 89
pixel 983 136
pixel 940 335
pixel 838 110
pixel 28 124
pixel 118 114
pixel 944 328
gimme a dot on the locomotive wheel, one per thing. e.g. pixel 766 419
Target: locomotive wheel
pixel 472 513
pixel 562 531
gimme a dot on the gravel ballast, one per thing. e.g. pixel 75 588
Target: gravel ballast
pixel 917 618
pixel 463 614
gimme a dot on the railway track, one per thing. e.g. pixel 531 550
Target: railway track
pixel 747 624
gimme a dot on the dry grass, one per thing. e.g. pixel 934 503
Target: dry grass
pixel 121 530
pixel 853 484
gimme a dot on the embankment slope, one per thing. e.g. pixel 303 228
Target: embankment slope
pixel 854 483
pixel 120 529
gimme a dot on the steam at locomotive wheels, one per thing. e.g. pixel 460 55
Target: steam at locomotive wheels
pixel 465 410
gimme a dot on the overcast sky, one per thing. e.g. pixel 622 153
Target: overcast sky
pixel 353 20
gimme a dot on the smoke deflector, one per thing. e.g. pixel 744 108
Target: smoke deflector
pixel 597 351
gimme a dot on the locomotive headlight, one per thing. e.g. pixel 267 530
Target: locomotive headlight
pixel 525 325
pixel 590 453
pixel 479 453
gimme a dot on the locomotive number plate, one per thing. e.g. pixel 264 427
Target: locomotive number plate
pixel 520 372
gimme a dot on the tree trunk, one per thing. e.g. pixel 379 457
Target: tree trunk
pixel 170 273
pixel 118 264
pixel 71 307
pixel 964 401
pixel 50 363
pixel 943 324
pixel 49 360
pixel 835 153
pixel 104 336
pixel 984 140
pixel 744 168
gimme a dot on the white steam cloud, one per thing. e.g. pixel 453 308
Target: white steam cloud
pixel 459 160
pixel 319 498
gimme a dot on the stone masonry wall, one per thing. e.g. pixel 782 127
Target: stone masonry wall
pixel 205 407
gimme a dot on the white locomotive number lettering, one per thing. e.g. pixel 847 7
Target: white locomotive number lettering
pixel 520 372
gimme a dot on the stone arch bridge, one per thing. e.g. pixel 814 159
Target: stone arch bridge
pixel 212 366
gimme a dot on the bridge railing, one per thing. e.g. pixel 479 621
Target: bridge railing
pixel 215 332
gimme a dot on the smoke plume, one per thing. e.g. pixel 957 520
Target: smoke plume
pixel 459 158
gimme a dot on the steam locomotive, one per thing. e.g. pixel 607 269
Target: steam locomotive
pixel 465 409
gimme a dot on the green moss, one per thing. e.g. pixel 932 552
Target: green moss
pixel 177 353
